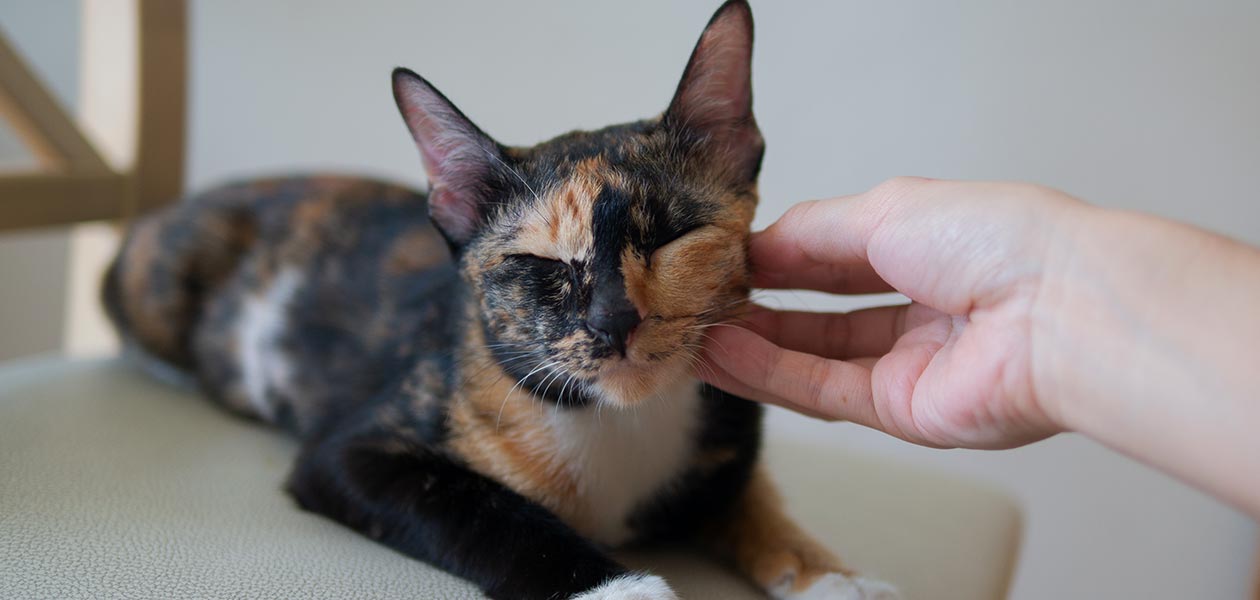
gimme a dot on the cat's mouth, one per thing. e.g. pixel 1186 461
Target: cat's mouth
pixel 626 384
pixel 658 353
pixel 654 360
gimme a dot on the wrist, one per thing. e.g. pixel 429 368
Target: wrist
pixel 1104 298
pixel 1057 326
pixel 1145 339
pixel 1134 306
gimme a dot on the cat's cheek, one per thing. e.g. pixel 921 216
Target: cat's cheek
pixel 639 281
pixel 658 340
pixel 571 351
pixel 696 276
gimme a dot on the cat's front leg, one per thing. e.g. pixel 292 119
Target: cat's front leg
pixel 424 504
pixel 773 551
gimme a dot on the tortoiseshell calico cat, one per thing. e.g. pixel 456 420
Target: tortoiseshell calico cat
pixel 496 378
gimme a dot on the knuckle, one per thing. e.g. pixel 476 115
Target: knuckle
pixel 897 187
pixel 818 389
pixel 798 213
pixel 837 330
pixel 767 378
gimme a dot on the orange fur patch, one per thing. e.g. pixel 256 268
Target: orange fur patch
pixel 768 546
pixel 416 250
pixel 559 227
pixel 153 324
pixel 499 430
pixel 701 273
pixel 313 216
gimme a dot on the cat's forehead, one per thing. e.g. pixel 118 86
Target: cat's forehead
pixel 558 223
pixel 608 191
pixel 614 144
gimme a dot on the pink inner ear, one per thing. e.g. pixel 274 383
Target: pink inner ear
pixel 457 217
pixel 456 155
pixel 449 144
pixel 717 86
pixel 714 98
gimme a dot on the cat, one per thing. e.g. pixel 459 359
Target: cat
pixel 496 377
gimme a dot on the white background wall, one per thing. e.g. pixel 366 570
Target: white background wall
pixel 33 280
pixel 1146 105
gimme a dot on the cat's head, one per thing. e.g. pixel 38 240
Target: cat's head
pixel 597 258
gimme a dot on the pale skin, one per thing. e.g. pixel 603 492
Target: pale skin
pixel 1032 314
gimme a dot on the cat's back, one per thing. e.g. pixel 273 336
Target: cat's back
pixel 287 296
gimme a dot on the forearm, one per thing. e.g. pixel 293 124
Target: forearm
pixel 1147 338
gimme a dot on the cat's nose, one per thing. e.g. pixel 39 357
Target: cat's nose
pixel 613 327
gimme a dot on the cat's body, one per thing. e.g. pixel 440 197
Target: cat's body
pixel 312 293
pixel 340 299
pixel 507 393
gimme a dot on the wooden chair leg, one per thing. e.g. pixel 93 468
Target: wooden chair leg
pixel 124 153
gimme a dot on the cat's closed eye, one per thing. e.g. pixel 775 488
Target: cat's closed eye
pixel 544 265
pixel 676 235
pixel 535 260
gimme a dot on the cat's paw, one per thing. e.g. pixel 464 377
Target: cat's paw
pixel 635 586
pixel 835 586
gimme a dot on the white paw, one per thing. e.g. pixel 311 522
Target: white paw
pixel 834 586
pixel 635 586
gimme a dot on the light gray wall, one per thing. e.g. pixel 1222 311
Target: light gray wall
pixel 32 275
pixel 33 264
pixel 1150 105
pixel 46 34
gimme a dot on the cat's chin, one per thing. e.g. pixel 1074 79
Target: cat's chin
pixel 627 383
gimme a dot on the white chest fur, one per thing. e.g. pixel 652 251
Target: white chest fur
pixel 621 457
pixel 262 321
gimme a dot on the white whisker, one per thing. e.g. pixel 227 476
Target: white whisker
pixel 517 385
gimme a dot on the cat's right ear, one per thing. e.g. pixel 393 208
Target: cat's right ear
pixel 714 98
pixel 458 157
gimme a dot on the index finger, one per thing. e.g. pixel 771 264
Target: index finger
pixel 865 332
pixel 821 245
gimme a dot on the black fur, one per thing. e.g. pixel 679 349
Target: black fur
pixel 428 506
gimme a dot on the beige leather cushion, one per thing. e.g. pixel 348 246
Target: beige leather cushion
pixel 116 486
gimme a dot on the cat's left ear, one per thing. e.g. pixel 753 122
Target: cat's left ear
pixel 459 158
pixel 714 98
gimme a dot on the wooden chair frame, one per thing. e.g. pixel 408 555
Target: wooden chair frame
pixel 124 153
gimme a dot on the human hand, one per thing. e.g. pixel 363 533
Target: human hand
pixel 956 367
